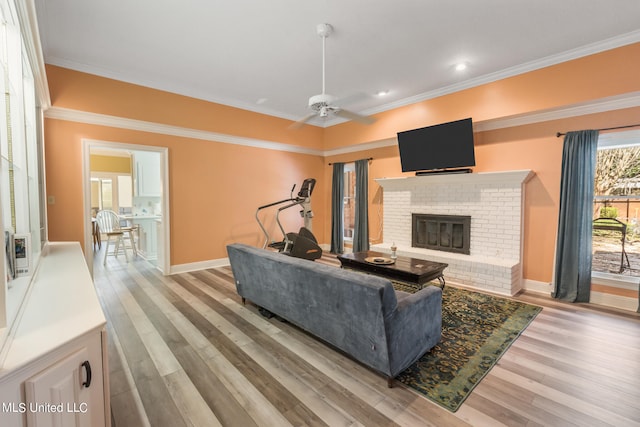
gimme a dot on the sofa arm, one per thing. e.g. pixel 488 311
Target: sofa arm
pixel 414 327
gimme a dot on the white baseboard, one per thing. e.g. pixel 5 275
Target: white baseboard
pixel 537 287
pixel 599 298
pixel 615 301
pixel 615 280
pixel 609 300
pixel 201 265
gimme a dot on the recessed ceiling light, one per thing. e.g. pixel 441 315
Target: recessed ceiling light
pixel 461 66
pixel 261 101
pixel 382 93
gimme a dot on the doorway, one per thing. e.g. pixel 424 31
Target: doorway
pixel 136 186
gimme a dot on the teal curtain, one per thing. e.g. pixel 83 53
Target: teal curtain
pixel 361 227
pixel 573 248
pixel 337 209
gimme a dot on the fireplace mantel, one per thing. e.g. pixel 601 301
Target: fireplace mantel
pixel 495 203
pixel 513 177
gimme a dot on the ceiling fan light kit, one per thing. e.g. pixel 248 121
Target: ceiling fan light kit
pixel 318 101
pixel 323 104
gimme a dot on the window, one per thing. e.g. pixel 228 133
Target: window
pixel 616 205
pixel 111 191
pixel 349 212
pixel 21 204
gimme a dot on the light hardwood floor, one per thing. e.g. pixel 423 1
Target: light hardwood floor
pixel 184 351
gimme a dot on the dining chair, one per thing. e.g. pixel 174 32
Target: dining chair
pixel 129 232
pixel 109 223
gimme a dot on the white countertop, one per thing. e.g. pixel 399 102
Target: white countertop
pixel 60 306
pixel 145 216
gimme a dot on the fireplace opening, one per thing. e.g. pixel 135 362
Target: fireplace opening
pixel 450 233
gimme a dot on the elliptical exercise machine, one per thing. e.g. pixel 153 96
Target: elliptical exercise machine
pixel 302 244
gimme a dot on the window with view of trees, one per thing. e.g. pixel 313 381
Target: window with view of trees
pixel 616 228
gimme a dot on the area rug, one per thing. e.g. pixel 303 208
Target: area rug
pixel 476 331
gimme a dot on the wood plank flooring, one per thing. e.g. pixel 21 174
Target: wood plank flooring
pixel 184 351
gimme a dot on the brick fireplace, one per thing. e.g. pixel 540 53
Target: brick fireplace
pixel 494 203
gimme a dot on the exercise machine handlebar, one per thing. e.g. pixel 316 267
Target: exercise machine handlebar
pixel 303 198
pixel 264 230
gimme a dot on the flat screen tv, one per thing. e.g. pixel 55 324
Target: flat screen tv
pixel 438 148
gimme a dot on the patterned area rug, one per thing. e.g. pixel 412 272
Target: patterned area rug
pixel 476 331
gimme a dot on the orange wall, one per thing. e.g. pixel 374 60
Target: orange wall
pixel 86 92
pixel 593 77
pixel 534 147
pixel 216 187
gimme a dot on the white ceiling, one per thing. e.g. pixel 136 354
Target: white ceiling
pixel 266 56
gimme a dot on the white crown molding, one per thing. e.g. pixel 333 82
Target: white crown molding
pixel 613 103
pixel 590 49
pixel 362 147
pixel 629 100
pixel 170 87
pixel 151 127
pixel 26 12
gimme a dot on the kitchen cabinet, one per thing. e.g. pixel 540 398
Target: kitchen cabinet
pixel 54 370
pixel 147 236
pixel 147 178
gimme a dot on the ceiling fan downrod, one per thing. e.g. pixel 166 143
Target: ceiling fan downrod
pixel 321 103
pixel 324 30
pixel 324 104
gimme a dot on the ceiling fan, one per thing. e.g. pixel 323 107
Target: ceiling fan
pixel 324 104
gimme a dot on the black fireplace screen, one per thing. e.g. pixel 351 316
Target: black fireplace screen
pixel 449 233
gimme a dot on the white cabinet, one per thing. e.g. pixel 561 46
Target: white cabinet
pixel 59 341
pixel 69 392
pixel 147 237
pixel 147 178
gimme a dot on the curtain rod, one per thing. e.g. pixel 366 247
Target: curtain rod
pixel 370 159
pixel 558 135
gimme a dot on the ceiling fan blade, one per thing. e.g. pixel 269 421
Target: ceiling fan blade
pixel 367 120
pixel 302 121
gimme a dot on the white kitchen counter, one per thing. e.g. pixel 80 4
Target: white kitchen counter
pixel 135 217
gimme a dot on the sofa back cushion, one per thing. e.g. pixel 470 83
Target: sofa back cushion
pixel 345 308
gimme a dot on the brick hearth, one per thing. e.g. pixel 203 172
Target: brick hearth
pixel 495 202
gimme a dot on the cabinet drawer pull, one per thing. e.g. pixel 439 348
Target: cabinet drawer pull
pixel 87 366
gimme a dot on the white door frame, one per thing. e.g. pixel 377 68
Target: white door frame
pixel 87 145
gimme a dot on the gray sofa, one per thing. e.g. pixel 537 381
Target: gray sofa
pixel 360 314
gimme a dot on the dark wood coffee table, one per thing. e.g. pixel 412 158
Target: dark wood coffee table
pixel 416 272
